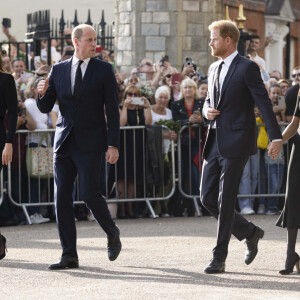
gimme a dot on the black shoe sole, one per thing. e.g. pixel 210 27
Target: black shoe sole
pixel 214 271
pixel 70 266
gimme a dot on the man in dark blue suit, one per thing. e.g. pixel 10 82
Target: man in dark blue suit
pixel 88 125
pixel 234 87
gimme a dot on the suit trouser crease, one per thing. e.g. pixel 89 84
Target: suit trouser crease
pixel 218 191
pixel 68 163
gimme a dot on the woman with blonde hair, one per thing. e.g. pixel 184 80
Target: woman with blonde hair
pixel 188 110
pixel 9 103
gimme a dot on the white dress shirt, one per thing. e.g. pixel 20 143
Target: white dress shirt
pixel 74 66
pixel 227 62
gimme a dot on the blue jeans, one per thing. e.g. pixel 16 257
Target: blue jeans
pixel 248 182
pixel 275 174
pixel 262 180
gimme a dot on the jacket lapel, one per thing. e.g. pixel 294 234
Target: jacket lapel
pixel 67 76
pixel 212 84
pixel 229 74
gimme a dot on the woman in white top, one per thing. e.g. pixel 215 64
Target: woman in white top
pixel 41 120
pixel 160 111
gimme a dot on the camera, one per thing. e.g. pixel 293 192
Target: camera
pixel 163 59
pixel 3 52
pixel 190 62
pixel 6 22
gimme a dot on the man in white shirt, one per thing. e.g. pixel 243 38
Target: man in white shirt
pixel 234 87
pixel 83 86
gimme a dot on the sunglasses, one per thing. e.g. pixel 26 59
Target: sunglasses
pixel 169 75
pixel 18 58
pixel 294 75
pixel 147 64
pixel 132 94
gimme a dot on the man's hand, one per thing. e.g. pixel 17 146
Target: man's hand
pixel 211 113
pixel 42 86
pixel 274 149
pixel 112 155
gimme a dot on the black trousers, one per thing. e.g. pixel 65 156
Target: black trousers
pixel 68 162
pixel 218 193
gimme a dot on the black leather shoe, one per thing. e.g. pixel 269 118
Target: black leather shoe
pixel 114 246
pixel 215 266
pixel 252 243
pixel 66 262
pixel 2 246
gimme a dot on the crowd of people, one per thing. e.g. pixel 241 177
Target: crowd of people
pixel 153 92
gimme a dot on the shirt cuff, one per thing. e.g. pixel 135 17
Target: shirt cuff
pixel 277 140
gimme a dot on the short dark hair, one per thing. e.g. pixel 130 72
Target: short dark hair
pixel 255 36
pixel 274 85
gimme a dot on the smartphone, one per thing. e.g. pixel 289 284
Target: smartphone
pixel 142 76
pixel 137 101
pixel 22 111
pixel 176 77
pixel 6 22
pixel 26 76
pixel 37 59
pixel 281 101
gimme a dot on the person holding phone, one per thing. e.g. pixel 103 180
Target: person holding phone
pixel 188 110
pixel 9 103
pixel 275 166
pixel 274 94
pixel 289 217
pixel 131 147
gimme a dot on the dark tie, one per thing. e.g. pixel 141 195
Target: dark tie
pixel 217 86
pixel 78 79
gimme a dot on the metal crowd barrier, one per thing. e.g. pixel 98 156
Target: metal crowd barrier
pixel 189 153
pixel 186 191
pixel 148 192
pixel 20 193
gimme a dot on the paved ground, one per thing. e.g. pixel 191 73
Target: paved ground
pixel 161 259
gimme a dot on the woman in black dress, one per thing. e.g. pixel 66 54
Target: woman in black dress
pixel 289 217
pixel 9 103
pixel 130 167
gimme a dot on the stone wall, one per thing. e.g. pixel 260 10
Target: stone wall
pixel 178 28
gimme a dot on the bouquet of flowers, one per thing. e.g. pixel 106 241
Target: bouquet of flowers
pixel 171 124
pixel 146 90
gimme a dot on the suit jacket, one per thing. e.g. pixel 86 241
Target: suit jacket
pixel 9 103
pixel 235 126
pixel 86 114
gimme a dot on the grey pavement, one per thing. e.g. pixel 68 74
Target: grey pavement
pixel 161 259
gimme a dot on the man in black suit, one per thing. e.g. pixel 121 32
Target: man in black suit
pixel 86 90
pixel 234 87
